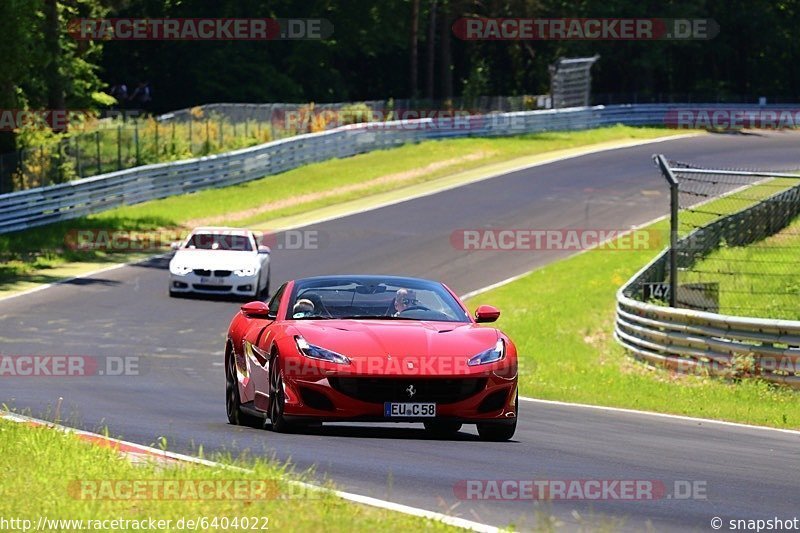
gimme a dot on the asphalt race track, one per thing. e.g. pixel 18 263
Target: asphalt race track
pixel 179 394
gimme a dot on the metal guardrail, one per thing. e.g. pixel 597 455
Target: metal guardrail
pixel 44 205
pixel 692 341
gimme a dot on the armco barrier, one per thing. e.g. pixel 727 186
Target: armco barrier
pixel 691 341
pixel 44 205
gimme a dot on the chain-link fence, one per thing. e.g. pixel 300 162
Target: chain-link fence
pixel 738 242
pixel 117 145
pixel 131 140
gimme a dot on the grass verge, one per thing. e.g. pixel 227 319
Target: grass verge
pixel 561 318
pixel 756 280
pixel 54 475
pixel 34 256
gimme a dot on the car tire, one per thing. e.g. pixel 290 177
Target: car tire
pixel 276 404
pixel 233 402
pixel 499 432
pixel 442 428
pixel 496 432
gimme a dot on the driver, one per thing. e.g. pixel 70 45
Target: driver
pixel 303 308
pixel 403 299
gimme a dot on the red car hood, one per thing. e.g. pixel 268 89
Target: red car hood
pixel 388 346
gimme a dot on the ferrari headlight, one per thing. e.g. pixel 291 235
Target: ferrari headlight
pixel 317 352
pixel 492 355
pixel 180 270
pixel 248 271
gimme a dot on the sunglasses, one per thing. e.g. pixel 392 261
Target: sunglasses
pixel 408 301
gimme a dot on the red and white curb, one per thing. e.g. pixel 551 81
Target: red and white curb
pixel 140 453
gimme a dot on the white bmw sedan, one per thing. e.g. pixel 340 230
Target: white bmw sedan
pixel 216 260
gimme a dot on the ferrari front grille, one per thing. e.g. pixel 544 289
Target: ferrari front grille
pixel 438 390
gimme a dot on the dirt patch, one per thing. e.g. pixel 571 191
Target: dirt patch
pixel 396 178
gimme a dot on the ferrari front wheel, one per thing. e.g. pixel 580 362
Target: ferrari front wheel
pixel 498 432
pixel 278 399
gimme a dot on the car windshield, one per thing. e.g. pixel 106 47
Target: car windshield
pixel 219 241
pixel 369 298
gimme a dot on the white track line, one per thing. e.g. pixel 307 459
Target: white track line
pixel 356 498
pixel 660 415
pixel 79 276
pixel 583 251
pixel 588 151
pixel 620 409
pixel 583 152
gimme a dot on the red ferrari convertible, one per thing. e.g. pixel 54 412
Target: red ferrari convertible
pixel 370 348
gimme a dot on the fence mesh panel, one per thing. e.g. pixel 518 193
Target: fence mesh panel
pixel 740 248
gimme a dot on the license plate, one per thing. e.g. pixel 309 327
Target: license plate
pixel 394 410
pixel 212 281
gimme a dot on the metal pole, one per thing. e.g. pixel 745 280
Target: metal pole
pixel 97 151
pixel 673 227
pixel 157 158
pixel 271 125
pixel 60 162
pixel 136 140
pixel 119 147
pixel 78 157
pixel 43 174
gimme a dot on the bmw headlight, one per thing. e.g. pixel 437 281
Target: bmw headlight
pixel 180 270
pixel 317 352
pixel 242 272
pixel 492 355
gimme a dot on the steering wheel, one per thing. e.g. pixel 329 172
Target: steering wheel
pixel 415 308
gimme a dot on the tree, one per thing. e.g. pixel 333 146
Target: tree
pixel 414 63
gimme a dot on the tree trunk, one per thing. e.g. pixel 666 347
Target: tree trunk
pixel 413 75
pixel 55 84
pixel 431 53
pixel 445 58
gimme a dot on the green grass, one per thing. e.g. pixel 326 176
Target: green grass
pixel 760 279
pixel 561 318
pixel 333 174
pixel 44 469
pixel 28 255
